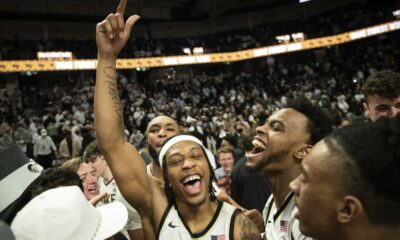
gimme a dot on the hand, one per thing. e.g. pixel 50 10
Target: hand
pixel 95 200
pixel 113 33
pixel 255 216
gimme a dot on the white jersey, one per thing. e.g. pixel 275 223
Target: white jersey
pixel 134 221
pixel 280 224
pixel 221 226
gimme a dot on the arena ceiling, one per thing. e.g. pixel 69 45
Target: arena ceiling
pixel 152 10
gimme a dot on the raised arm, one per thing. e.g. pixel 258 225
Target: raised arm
pixel 126 164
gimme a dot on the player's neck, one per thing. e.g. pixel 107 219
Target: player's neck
pixel 279 185
pixel 198 217
pixel 156 171
pixel 107 175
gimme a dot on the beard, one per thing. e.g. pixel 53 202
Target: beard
pixel 275 157
pixel 154 154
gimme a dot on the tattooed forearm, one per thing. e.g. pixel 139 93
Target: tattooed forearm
pixel 109 72
pixel 248 229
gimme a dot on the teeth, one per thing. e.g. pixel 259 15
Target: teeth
pixel 191 178
pixel 258 144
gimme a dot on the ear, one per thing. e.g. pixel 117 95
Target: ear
pixel 366 109
pixel 301 152
pixel 349 210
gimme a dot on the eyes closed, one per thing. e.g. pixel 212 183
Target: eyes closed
pixel 178 159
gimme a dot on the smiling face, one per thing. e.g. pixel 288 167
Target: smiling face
pixel 226 161
pixel 88 177
pixel 158 130
pixel 188 173
pixel 318 194
pixel 277 140
pixel 378 107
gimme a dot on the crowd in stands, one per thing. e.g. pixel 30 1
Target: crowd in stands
pixel 210 105
pixel 336 21
pixel 262 149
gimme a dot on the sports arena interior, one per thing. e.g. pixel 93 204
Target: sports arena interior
pixel 219 68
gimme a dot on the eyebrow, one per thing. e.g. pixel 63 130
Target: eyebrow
pixel 180 154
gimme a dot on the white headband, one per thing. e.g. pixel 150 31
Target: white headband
pixel 172 141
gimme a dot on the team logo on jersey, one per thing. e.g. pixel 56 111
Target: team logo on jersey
pixel 171 225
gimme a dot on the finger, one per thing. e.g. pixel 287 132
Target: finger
pixel 121 7
pixel 108 28
pixel 114 23
pixel 120 21
pixel 95 200
pixel 129 24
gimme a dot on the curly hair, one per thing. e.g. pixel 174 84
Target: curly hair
pixel 319 122
pixel 384 83
pixel 366 157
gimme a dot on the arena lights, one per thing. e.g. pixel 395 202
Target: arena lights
pixel 304 1
pixel 133 63
pixel 298 37
pixel 195 51
pixel 54 55
pixel 187 51
pixel 283 38
pixel 396 13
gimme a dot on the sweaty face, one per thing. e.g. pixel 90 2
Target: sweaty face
pixel 380 107
pixel 159 129
pixel 188 173
pixel 99 165
pixel 276 141
pixel 226 162
pixel 317 194
pixel 88 177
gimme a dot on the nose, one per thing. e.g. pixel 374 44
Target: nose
pixel 260 130
pixel 162 133
pixel 188 163
pixel 294 185
pixel 92 179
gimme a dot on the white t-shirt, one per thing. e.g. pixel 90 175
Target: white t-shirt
pixel 280 223
pixel 134 221
pixel 221 226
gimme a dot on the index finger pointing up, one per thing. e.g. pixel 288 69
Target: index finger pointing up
pixel 121 7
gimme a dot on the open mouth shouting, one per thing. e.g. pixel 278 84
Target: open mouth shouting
pixel 93 190
pixel 192 184
pixel 259 146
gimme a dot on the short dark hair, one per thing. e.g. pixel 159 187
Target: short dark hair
pixel 91 152
pixel 55 177
pixel 384 83
pixel 231 139
pixel 319 122
pixel 369 167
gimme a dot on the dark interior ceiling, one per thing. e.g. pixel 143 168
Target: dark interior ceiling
pixel 94 10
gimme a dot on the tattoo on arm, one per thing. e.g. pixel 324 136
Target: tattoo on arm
pixel 248 229
pixel 113 90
